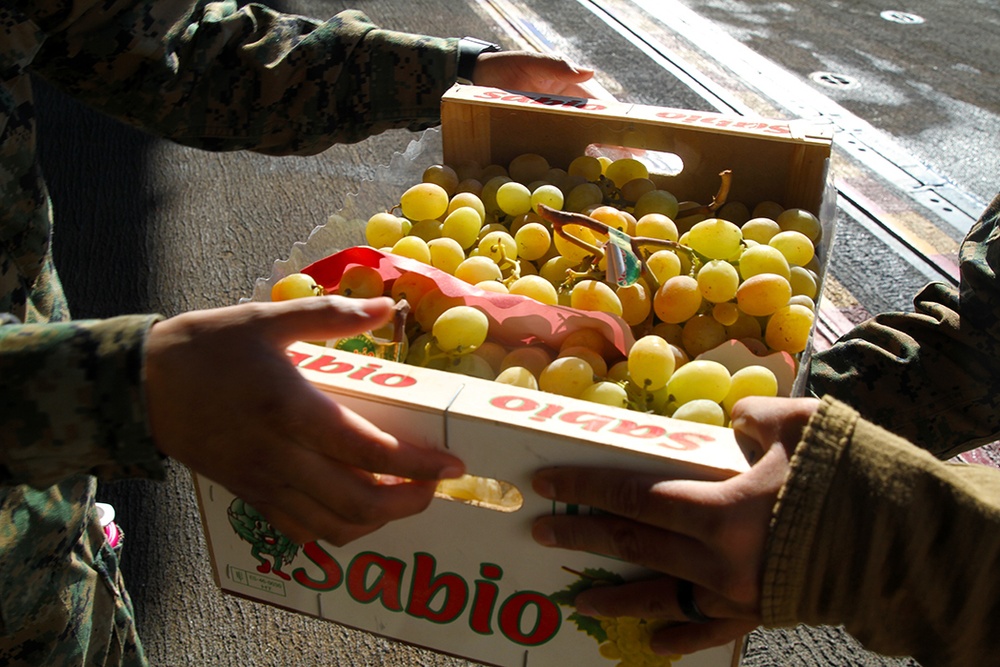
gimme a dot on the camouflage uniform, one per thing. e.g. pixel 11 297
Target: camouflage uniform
pixel 872 529
pixel 210 75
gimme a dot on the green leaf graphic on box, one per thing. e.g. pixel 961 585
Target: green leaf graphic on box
pixel 589 578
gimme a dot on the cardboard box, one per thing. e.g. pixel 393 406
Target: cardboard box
pixel 459 578
pixel 778 160
pixel 468 580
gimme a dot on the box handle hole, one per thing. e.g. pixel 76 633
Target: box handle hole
pixel 485 492
pixel 659 163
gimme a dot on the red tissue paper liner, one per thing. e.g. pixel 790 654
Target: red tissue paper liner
pixel 514 319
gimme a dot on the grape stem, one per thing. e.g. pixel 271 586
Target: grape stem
pixel 560 219
pixel 689 208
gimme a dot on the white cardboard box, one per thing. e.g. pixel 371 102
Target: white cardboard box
pixel 460 579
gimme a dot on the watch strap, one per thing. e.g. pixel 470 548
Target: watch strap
pixel 469 50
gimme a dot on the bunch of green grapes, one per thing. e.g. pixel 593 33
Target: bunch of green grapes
pixel 628 643
pixel 711 274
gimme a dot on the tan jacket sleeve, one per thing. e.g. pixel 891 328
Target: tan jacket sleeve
pixel 874 533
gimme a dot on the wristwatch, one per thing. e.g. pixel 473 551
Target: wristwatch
pixel 469 49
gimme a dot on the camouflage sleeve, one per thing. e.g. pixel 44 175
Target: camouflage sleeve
pixel 931 376
pixel 220 76
pixel 74 401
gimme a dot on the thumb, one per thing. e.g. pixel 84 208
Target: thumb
pixel 325 317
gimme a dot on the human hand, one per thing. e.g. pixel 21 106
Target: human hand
pixel 532 72
pixel 225 401
pixel 711 534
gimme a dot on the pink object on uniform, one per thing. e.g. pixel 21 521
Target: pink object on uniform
pixel 113 534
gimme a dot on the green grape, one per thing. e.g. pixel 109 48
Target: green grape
pixel 489 193
pixel 470 186
pixel 550 195
pixel 745 326
pixel 750 381
pixel 426 229
pixel 760 230
pixel 767 209
pixel 498 245
pixel 493 286
pixel 650 362
pixel 587 167
pixel 492 171
pixel 726 314
pixel 462 225
pixel 460 329
pixel 412 287
pixel 618 371
pixel 558 177
pixel 424 353
pixel 443 175
pixel 664 265
pixel 613 217
pixel 657 226
pixel 636 188
pixel 513 198
pixel 477 269
pixel 636 302
pixel 583 196
pixel 763 294
pixel 554 270
pixel 804 282
pixel 571 251
pixel 606 393
pixel 802 300
pixel 424 201
pixel 715 238
pixel 470 199
pixel 487 229
pixel 763 259
pixel 492 353
pixel 597 363
pixel 595 295
pixel 800 220
pixel 702 333
pixel 623 170
pixel 788 329
pixel 718 281
pixel 413 247
pixel 795 246
pixel 677 300
pixel 446 254
pixel 669 332
pixel 701 410
pixel 566 376
pixel 590 338
pixel 528 167
pixel 361 282
pixel 533 240
pixel 431 305
pixel 471 365
pixel 295 286
pixel 535 287
pixel 382 230
pixel 699 378
pixel 657 201
pixel 533 357
pixel 518 376
pixel 734 211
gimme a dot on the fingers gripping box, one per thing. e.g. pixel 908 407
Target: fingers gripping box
pixel 461 578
